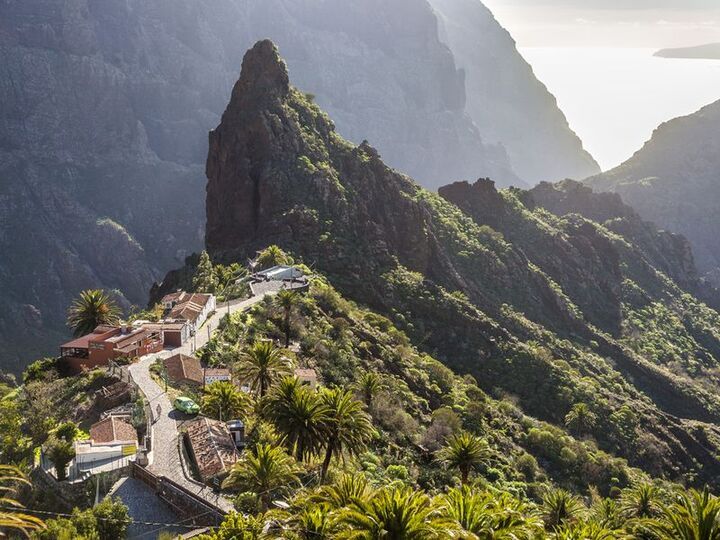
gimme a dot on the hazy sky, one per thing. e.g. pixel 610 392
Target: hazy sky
pixel 609 23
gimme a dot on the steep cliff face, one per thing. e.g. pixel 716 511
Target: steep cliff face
pixel 552 309
pixel 505 100
pixel 106 105
pixel 674 181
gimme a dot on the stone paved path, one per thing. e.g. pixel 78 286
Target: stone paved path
pixel 165 457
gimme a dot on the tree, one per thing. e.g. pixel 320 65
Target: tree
pixel 205 279
pixel 272 256
pixel 580 419
pixel 89 310
pixel 396 513
pixel 640 501
pixel 286 301
pixel 60 452
pixel 694 516
pixel 266 470
pixel 488 515
pixel 261 365
pixel 368 385
pixel 464 452
pixel 236 527
pixel 560 508
pixel 11 516
pixel 347 425
pixel 112 518
pixel 223 400
pixel 300 415
pixel 347 490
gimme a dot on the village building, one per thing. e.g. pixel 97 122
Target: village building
pixel 306 377
pixel 175 333
pixel 211 447
pixel 183 369
pixel 108 343
pixel 276 278
pixel 113 442
pixel 237 432
pixel 193 308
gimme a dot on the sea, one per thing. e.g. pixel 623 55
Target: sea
pixel 615 97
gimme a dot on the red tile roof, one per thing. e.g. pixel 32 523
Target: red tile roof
pixel 212 447
pixel 113 429
pixel 183 368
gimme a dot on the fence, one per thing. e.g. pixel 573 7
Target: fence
pixel 186 503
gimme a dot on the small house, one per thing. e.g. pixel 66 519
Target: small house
pixel 211 447
pixel 306 377
pixel 183 369
pixel 217 374
pixel 113 438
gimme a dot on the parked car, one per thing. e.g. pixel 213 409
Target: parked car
pixel 186 405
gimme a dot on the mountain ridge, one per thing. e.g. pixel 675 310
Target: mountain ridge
pixel 489 302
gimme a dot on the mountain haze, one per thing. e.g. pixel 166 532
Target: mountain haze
pixel 674 181
pixel 105 106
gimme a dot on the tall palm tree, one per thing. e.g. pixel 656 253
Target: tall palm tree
pixel 347 425
pixel 223 400
pixel 11 516
pixel 398 513
pixel 491 516
pixel 640 501
pixel 261 365
pixel 368 385
pixel 580 419
pixel 266 470
pixel 694 516
pixel 465 452
pixel 561 507
pixel 300 415
pixel 286 300
pixel 89 310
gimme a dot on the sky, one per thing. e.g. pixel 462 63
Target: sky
pixel 609 23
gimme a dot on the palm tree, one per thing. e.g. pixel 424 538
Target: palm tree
pixel 286 300
pixel 488 515
pixel 223 400
pixel 398 513
pixel 298 413
pixel 465 452
pixel 11 516
pixel 580 419
pixel 347 425
pixel 89 310
pixel 694 516
pixel 267 471
pixel 368 385
pixel 311 523
pixel 261 365
pixel 640 501
pixel 587 531
pixel 349 489
pixel 560 507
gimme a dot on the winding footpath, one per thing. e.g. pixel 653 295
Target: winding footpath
pixel 165 457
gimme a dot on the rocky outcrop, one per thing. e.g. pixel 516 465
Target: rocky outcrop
pixel 492 284
pixel 506 101
pixel 674 181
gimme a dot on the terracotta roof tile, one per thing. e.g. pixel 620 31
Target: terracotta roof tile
pixel 113 429
pixel 212 447
pixel 183 368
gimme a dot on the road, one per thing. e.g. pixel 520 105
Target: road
pixel 165 457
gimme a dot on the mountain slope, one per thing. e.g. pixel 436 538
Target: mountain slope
pixel 674 181
pixel 508 104
pixel 547 309
pixel 105 105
